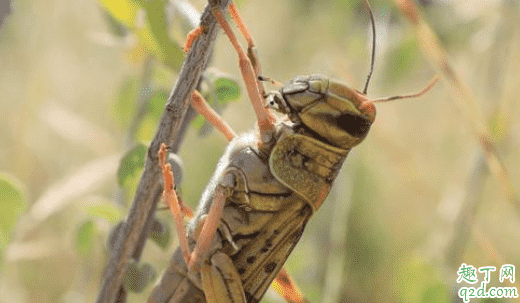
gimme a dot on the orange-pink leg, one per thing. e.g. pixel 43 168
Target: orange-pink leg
pixel 285 286
pixel 251 47
pixel 203 108
pixel 266 118
pixel 209 229
pixel 191 37
pixel 210 223
pixel 170 198
pixel 249 66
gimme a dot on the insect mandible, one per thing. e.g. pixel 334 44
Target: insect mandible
pixel 268 183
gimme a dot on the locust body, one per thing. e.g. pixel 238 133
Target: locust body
pixel 272 189
pixel 266 186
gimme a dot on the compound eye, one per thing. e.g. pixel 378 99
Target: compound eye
pixel 355 125
pixel 275 102
pixel 272 105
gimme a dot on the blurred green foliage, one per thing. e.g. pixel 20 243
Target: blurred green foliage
pixel 147 19
pixel 108 66
pixel 106 211
pixel 401 61
pixel 130 169
pixel 85 238
pixel 13 203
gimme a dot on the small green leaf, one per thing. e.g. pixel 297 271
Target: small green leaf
pixel 137 277
pixel 105 211
pixel 84 238
pixel 223 86
pixel 160 234
pixel 131 278
pixel 227 90
pixel 132 164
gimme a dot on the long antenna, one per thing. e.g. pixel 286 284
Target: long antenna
pixel 373 46
pixel 422 92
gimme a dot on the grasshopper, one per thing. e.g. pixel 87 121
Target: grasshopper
pixel 268 183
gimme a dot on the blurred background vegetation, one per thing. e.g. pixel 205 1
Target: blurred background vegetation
pixel 82 83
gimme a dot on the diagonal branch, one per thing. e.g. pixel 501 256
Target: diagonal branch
pixel 170 131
